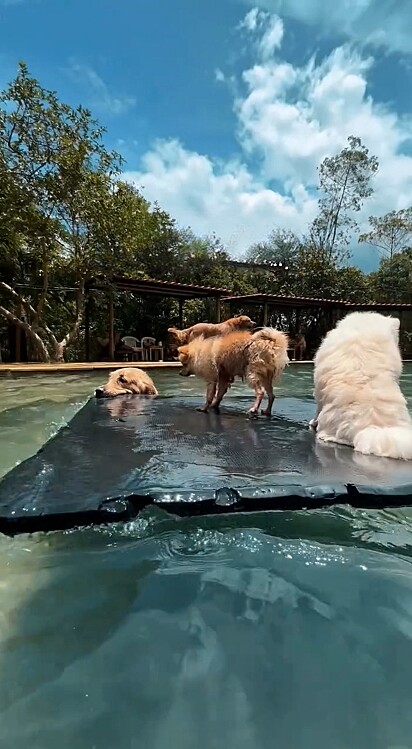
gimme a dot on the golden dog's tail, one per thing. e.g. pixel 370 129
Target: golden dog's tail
pixel 276 337
pixel 270 351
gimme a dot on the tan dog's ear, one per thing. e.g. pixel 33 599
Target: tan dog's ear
pixel 175 334
pixel 183 352
pixel 134 387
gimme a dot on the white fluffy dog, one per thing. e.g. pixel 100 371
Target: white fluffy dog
pixel 359 402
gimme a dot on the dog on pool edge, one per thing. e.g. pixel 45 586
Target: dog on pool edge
pixel 258 357
pixel 208 329
pixel 127 381
pixel 358 398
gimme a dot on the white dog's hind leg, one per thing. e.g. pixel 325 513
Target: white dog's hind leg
pixel 313 424
pixel 385 442
pixel 325 437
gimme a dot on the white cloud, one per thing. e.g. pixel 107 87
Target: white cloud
pixel 250 21
pixel 289 118
pixel 272 38
pixel 381 22
pixel 272 30
pixel 101 97
pixel 210 196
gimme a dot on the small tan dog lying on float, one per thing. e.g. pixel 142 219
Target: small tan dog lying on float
pixel 127 381
pixel 259 357
pixel 359 401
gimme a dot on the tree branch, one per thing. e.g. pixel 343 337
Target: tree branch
pixel 18 297
pixel 73 333
pixel 28 329
pixel 29 308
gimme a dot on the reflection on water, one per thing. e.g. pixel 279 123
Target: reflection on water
pixel 163 635
pixel 289 630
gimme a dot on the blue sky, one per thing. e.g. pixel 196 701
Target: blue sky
pixel 223 110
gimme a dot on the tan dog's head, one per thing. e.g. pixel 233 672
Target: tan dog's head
pixel 177 337
pixel 127 381
pixel 183 355
pixel 243 322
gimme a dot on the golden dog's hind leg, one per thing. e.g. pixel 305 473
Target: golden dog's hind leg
pixel 259 391
pixel 271 397
pixel 210 394
pixel 221 390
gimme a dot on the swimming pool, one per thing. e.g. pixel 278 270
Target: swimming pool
pixel 293 630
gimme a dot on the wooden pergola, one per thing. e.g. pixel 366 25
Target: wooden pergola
pixel 336 307
pixel 147 288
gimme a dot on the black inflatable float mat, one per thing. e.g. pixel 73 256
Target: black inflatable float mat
pixel 118 456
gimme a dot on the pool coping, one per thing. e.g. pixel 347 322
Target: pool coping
pixel 61 368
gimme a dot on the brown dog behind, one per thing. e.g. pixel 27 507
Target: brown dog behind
pixel 208 329
pixel 259 357
pixel 128 380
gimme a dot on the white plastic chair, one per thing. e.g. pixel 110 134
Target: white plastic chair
pixel 134 343
pixel 149 347
pixel 148 340
pixel 130 340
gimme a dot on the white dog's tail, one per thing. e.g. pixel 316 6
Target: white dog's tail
pixel 386 442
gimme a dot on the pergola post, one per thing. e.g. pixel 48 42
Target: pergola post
pixel 87 326
pixel 265 314
pixel 181 302
pixel 17 338
pixel 218 309
pixel 111 324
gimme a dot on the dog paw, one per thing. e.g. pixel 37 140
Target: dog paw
pixel 203 409
pixel 253 413
pixel 265 412
pixel 313 424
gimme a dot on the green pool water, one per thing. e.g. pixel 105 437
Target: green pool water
pixel 290 631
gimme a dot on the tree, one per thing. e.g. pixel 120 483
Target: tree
pixel 48 152
pixel 352 285
pixel 345 182
pixel 279 252
pixel 66 216
pixel 391 233
pixel 314 274
pixel 281 246
pixel 393 279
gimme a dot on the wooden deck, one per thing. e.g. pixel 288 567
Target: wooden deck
pixel 78 367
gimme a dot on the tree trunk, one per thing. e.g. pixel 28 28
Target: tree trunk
pixel 36 342
pixel 60 346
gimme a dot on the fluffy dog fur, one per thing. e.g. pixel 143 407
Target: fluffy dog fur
pixel 208 329
pixel 128 380
pixel 359 402
pixel 259 357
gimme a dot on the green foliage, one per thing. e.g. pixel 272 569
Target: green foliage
pixel 393 280
pixel 391 233
pixel 65 216
pixel 345 182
